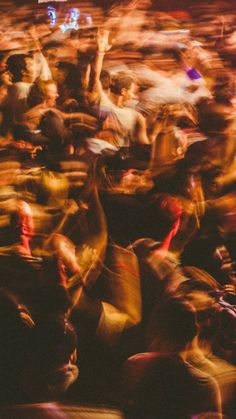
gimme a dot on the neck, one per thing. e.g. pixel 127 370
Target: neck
pixel 190 347
pixel 117 100
pixel 194 348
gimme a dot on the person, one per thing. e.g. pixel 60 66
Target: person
pixel 37 280
pixel 161 383
pixel 54 357
pixel 37 358
pixel 169 141
pixel 5 83
pixel 43 123
pixel 41 100
pixel 65 74
pixel 22 70
pixel 128 124
pixel 208 354
pixel 25 68
pixel 125 123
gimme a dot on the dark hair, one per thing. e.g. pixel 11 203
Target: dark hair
pixel 174 323
pixel 16 64
pixel 71 73
pixel 121 81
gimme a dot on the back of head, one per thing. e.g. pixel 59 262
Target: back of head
pixel 16 64
pixel 172 326
pixel 121 81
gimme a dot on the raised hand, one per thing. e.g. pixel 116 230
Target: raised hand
pixel 103 43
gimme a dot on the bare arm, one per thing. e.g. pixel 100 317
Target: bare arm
pixel 142 130
pixel 31 117
pixel 80 116
pixel 95 87
pixel 43 70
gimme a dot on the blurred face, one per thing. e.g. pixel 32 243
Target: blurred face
pixel 22 221
pixel 51 94
pixel 6 78
pixel 30 67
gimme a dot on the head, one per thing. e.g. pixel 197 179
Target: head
pixel 21 221
pixel 5 82
pixel 123 85
pixel 21 66
pixel 173 326
pixel 50 93
pixel 43 92
pixel 5 75
pixel 66 74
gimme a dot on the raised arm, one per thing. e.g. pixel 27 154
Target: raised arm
pixel 42 67
pixel 103 45
pixel 79 116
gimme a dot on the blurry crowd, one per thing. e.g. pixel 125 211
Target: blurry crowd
pixel 117 210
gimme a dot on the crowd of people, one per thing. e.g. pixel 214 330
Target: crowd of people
pixel 117 210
